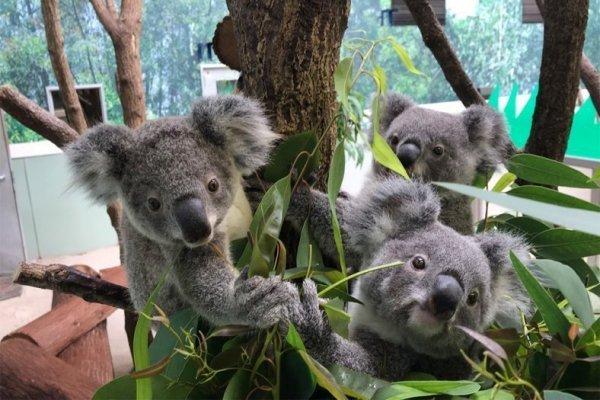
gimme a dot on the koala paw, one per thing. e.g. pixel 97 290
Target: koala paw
pixel 264 302
pixel 312 323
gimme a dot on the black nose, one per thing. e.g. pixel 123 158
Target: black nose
pixel 408 153
pixel 192 220
pixel 446 295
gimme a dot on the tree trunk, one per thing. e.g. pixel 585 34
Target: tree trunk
pixel 435 39
pixel 60 65
pixel 289 51
pixel 564 33
pixel 125 30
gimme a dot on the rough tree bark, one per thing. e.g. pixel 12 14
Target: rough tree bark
pixel 589 74
pixel 437 41
pixel 60 65
pixel 124 29
pixel 564 33
pixel 289 51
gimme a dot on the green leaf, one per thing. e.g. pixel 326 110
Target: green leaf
pixel 555 320
pixel 297 381
pixel 414 389
pixel 583 220
pixel 545 171
pixel 403 56
pixel 361 384
pixel 285 154
pixel 550 196
pixel 334 183
pixel 323 376
pixel 569 284
pixel 596 176
pixel 564 244
pixel 308 251
pixel 526 226
pixel 591 334
pixel 338 318
pixel 124 388
pixel 294 339
pixel 381 79
pixel 505 181
pixel 141 356
pixel 239 385
pixel 558 395
pixel 492 394
pixel 384 155
pixel 342 79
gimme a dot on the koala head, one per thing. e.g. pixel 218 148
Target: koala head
pixel 447 279
pixel 176 177
pixel 437 146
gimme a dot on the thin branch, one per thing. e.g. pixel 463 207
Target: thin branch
pixel 437 41
pixel 60 65
pixel 106 15
pixel 67 279
pixel 35 117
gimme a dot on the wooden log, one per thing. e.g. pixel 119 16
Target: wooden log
pixel 66 279
pixel 91 352
pixel 28 372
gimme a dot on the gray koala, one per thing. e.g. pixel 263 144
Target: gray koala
pixel 437 146
pixel 176 179
pixel 410 313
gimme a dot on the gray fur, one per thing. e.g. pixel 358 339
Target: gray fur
pixel 474 141
pixel 392 332
pixel 172 160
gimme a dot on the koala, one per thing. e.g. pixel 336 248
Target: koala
pixel 176 179
pixel 409 314
pixel 437 146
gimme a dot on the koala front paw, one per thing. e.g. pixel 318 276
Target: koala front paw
pixel 264 302
pixel 312 323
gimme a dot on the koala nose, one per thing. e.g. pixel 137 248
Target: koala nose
pixel 408 153
pixel 446 295
pixel 192 220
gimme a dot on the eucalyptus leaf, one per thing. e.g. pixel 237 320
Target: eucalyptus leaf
pixel 403 56
pixel 582 220
pixel 505 181
pixel 550 196
pixel 558 395
pixel 362 384
pixel 124 388
pixel 334 183
pixel 384 155
pixel 564 244
pixel 308 252
pixel 415 389
pixel 555 320
pixel 323 376
pixel 569 284
pixel 338 318
pixel 492 394
pixel 544 171
pixel 239 385
pixel 342 78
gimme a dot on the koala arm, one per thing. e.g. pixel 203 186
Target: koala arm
pixel 208 281
pixel 313 205
pixel 323 344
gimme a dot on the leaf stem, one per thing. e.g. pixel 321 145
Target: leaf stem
pixel 357 274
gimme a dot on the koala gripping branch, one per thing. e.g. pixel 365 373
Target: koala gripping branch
pixel 67 279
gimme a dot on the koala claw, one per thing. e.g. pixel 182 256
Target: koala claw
pixel 264 302
pixel 313 324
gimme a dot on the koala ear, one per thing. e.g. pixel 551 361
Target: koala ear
pixel 487 132
pixel 509 297
pixel 98 159
pixel 239 125
pixel 393 104
pixel 388 208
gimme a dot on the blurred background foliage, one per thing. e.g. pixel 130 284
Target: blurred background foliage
pixel 493 44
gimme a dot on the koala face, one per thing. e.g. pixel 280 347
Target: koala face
pixel 176 177
pixel 437 146
pixel 447 279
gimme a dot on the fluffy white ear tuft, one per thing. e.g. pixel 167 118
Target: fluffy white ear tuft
pixel 238 124
pixel 386 209
pixel 98 159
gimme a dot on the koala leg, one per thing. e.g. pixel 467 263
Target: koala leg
pixel 327 346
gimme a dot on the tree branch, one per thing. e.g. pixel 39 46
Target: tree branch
pixel 107 15
pixel 564 33
pixel 35 117
pixel 589 74
pixel 437 41
pixel 67 279
pixel 60 65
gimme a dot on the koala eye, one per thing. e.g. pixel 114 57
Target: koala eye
pixel 153 204
pixel 418 262
pixel 438 150
pixel 394 140
pixel 213 185
pixel 472 298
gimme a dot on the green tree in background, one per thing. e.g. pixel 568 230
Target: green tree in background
pixel 493 45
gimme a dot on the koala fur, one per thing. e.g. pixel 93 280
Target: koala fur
pixel 474 141
pixel 410 313
pixel 176 179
